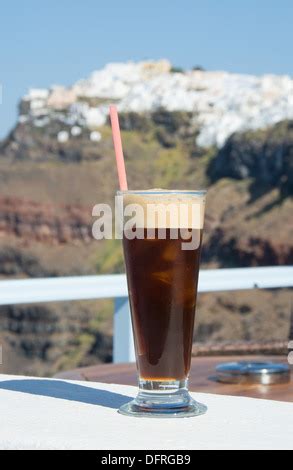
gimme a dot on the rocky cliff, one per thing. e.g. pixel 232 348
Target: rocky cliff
pixel 179 131
pixel 220 103
pixel 32 221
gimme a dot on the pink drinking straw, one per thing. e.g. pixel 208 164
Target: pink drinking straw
pixel 118 148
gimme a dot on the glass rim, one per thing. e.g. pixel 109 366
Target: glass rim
pixel 146 192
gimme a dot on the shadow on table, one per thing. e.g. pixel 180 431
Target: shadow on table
pixel 66 391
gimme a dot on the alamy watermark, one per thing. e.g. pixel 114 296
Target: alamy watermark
pixel 148 221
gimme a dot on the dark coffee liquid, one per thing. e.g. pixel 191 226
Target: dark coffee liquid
pixel 162 282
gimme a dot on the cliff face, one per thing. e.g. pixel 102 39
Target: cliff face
pixel 32 221
pixel 58 162
pixel 41 339
pixel 250 179
pixel 265 155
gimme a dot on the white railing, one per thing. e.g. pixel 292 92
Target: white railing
pixel 115 286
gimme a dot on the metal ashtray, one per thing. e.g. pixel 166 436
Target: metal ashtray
pixel 265 373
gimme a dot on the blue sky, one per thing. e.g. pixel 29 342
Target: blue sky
pixel 60 41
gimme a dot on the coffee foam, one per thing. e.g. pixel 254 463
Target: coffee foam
pixel 165 210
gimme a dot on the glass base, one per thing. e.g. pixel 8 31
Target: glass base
pixel 163 399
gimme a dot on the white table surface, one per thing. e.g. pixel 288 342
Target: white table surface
pixel 60 414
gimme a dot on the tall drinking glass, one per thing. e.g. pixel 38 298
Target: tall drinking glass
pixel 162 234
